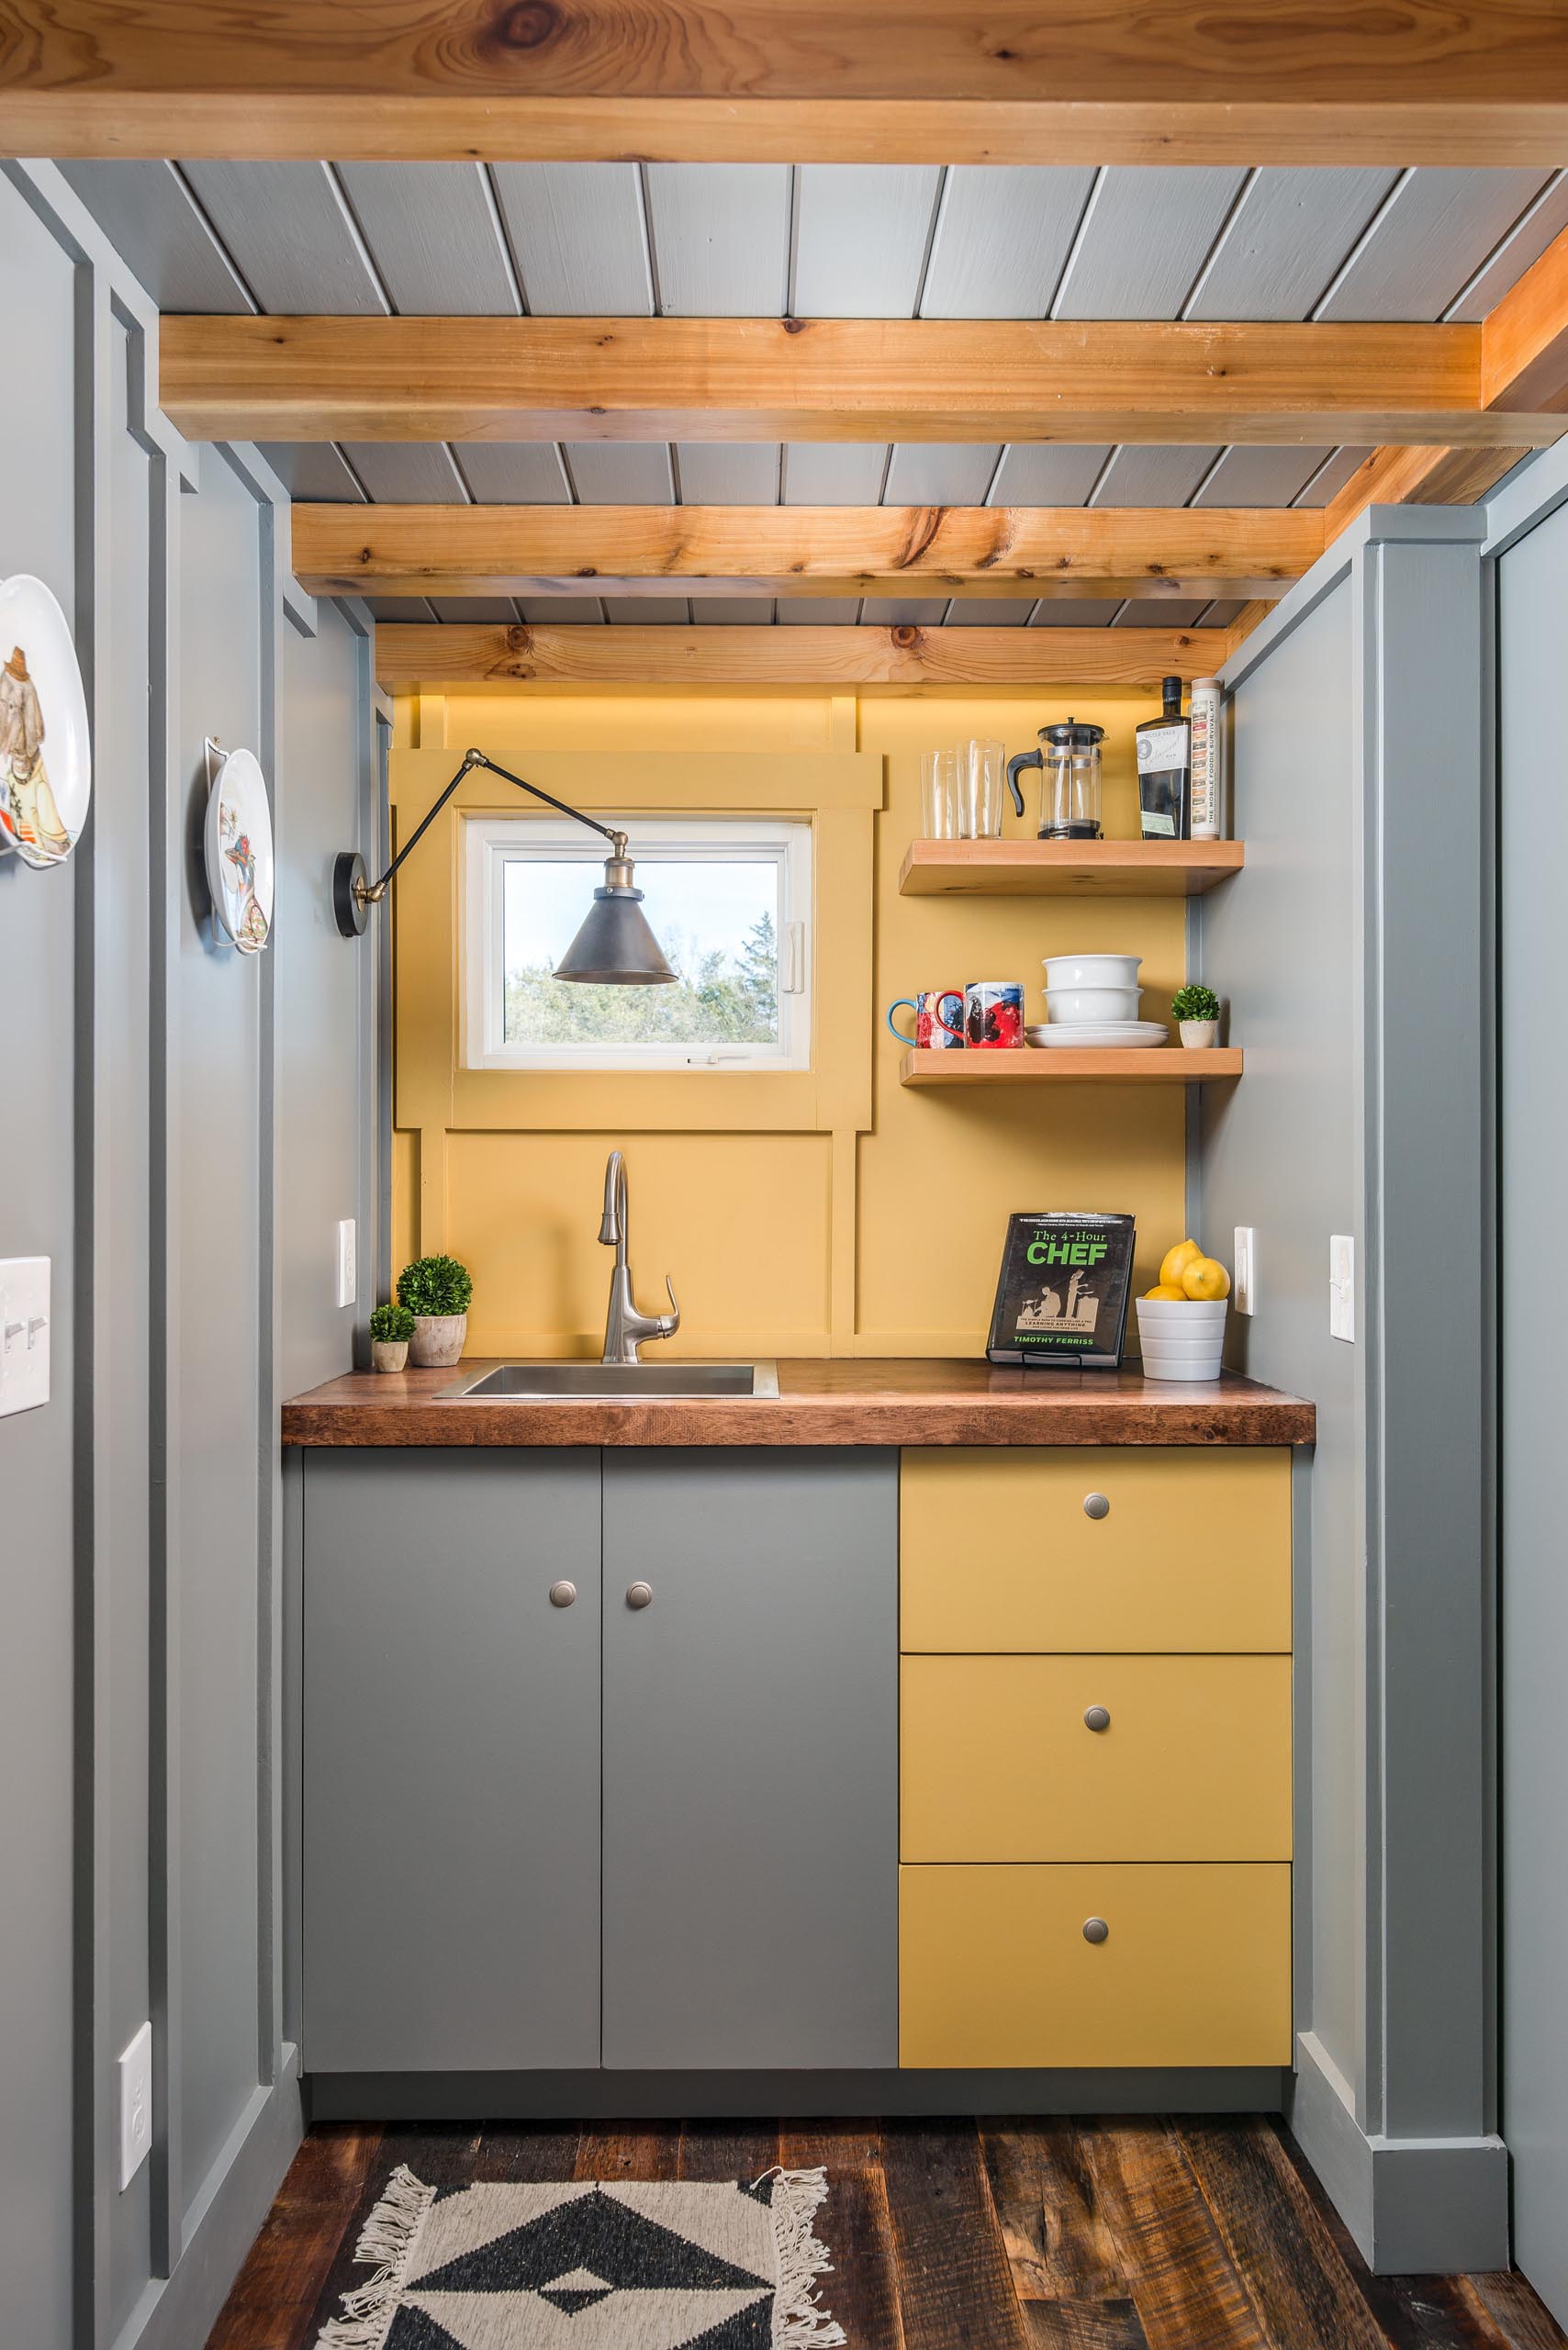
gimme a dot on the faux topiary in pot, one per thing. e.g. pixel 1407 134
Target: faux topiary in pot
pixel 436 1291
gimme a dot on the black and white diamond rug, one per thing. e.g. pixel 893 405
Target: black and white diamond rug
pixel 662 2264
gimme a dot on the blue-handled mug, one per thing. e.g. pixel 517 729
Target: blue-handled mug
pixel 939 1019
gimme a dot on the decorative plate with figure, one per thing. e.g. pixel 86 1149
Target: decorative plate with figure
pixel 45 757
pixel 240 852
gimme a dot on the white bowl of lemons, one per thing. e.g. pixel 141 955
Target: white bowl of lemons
pixel 1181 1320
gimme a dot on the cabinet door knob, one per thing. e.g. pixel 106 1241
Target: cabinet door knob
pixel 1095 1930
pixel 639 1595
pixel 1096 1504
pixel 1097 1717
pixel 563 1594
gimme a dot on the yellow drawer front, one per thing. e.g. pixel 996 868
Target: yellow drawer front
pixel 998 1763
pixel 1194 1967
pixel 998 1551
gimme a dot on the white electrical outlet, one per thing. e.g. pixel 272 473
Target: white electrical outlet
pixel 348 1268
pixel 1244 1285
pixel 1342 1287
pixel 23 1332
pixel 135 2105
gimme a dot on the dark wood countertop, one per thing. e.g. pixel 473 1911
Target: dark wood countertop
pixel 913 1400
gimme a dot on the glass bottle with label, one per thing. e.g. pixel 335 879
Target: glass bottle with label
pixel 1204 718
pixel 1165 770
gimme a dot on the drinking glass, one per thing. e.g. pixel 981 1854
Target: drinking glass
pixel 939 795
pixel 983 770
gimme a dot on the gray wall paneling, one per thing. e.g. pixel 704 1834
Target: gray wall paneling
pixel 719 235
pixel 1357 715
pixel 1435 226
pixel 861 235
pixel 1003 238
pixel 1530 543
pixel 142 1090
pixel 435 238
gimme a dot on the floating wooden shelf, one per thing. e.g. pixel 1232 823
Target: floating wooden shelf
pixel 1067 868
pixel 1164 1065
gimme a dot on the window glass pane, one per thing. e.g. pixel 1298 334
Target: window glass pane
pixel 717 921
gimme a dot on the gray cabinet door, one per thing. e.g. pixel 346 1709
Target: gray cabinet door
pixel 751 1759
pixel 452 1761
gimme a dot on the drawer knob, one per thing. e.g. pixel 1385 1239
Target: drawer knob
pixel 1095 1930
pixel 563 1594
pixel 1096 1504
pixel 640 1595
pixel 1097 1717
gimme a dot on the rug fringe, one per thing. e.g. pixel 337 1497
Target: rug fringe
pixel 388 2241
pixel 798 2196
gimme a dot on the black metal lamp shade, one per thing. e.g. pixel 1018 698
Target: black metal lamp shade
pixel 615 947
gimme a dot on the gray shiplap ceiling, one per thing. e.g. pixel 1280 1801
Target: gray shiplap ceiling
pixel 826 240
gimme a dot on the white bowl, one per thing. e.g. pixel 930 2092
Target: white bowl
pixel 1092 970
pixel 1077 1004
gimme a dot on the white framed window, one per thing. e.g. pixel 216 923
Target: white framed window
pixel 730 902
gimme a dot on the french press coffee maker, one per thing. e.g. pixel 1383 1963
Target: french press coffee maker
pixel 1069 761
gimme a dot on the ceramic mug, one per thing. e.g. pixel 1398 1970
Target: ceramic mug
pixel 994 1015
pixel 939 1019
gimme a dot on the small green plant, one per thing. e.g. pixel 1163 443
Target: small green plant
pixel 435 1285
pixel 391 1324
pixel 1195 1002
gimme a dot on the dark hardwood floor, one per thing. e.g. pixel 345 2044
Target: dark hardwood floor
pixel 1157 2234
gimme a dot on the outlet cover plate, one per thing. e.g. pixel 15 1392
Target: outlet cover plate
pixel 135 2105
pixel 1342 1287
pixel 23 1332
pixel 348 1268
pixel 1245 1287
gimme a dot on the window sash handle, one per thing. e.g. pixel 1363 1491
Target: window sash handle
pixel 792 959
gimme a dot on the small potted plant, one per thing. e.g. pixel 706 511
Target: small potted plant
pixel 436 1291
pixel 1196 1013
pixel 391 1327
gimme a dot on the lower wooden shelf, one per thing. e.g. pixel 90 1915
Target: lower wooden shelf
pixel 1164 1065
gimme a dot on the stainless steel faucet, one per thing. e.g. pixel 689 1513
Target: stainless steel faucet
pixel 625 1327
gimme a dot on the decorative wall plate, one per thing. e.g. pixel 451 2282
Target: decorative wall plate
pixel 239 836
pixel 46 754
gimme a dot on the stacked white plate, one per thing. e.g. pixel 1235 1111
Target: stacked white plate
pixel 1140 1035
pixel 1092 1001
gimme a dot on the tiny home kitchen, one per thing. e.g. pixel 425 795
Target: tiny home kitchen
pixel 775 864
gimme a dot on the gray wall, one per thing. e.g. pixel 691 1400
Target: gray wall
pixel 1353 954
pixel 1532 629
pixel 182 1128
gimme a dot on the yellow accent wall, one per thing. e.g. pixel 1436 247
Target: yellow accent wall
pixel 841 1216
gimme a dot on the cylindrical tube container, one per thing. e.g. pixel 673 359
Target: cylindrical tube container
pixel 1204 711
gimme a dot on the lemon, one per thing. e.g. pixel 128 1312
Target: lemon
pixel 1169 1291
pixel 1205 1280
pixel 1174 1262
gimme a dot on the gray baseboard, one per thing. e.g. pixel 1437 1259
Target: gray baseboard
pixel 603 2096
pixel 179 2313
pixel 1414 2206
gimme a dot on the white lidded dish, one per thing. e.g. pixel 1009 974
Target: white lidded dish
pixel 1081 1003
pixel 1092 970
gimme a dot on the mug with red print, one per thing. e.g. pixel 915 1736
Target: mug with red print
pixel 994 1015
pixel 939 1019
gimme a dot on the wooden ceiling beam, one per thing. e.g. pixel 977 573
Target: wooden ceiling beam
pixel 1026 552
pixel 414 653
pixel 1524 362
pixel 962 80
pixel 509 379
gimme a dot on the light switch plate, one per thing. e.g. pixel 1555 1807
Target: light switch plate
pixel 1342 1287
pixel 1244 1281
pixel 23 1332
pixel 135 2105
pixel 348 1268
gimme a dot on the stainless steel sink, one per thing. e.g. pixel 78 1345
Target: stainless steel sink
pixel 620 1382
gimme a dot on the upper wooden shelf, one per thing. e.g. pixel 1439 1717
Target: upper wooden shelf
pixel 1066 869
pixel 1161 1065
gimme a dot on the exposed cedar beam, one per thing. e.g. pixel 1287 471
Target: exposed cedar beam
pixel 1024 552
pixel 410 654
pixel 1524 361
pixel 791 81
pixel 828 379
